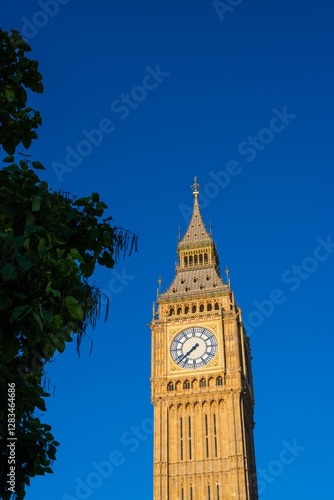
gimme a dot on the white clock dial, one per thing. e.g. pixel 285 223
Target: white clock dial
pixel 193 348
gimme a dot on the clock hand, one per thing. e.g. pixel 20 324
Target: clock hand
pixel 187 354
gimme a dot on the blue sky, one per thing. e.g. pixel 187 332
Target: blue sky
pixel 139 98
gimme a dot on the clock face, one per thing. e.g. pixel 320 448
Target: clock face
pixel 193 348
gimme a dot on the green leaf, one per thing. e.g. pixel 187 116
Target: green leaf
pixel 76 255
pixel 18 311
pixel 26 141
pixel 80 202
pixel 41 245
pixel 74 308
pixel 31 228
pixel 55 293
pixel 31 219
pixel 87 268
pixel 39 321
pixel 22 44
pixel 38 165
pixel 12 168
pixel 24 263
pixel 47 315
pixel 19 241
pixel 19 295
pixel 36 203
pixel 8 272
pixel 8 159
pixel 41 405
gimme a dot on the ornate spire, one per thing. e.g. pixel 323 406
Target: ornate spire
pixel 194 188
pixel 196 232
pixel 197 270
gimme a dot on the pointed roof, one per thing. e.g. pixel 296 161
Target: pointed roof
pixel 200 277
pixel 196 232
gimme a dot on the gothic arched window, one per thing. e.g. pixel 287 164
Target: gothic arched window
pixel 202 382
pixel 186 385
pixel 219 381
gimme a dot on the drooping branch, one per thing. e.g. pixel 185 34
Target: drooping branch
pixel 126 242
pixel 92 311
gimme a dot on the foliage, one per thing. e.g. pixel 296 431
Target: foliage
pixel 17 73
pixel 50 244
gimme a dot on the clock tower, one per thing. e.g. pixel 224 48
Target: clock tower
pixel 202 387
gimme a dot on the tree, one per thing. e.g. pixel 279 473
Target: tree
pixel 17 73
pixel 50 244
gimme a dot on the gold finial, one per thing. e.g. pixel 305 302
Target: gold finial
pixel 210 227
pixel 194 188
pixel 159 281
pixel 227 272
pixel 179 235
pixel 228 279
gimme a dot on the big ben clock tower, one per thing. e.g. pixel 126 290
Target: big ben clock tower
pixel 202 388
